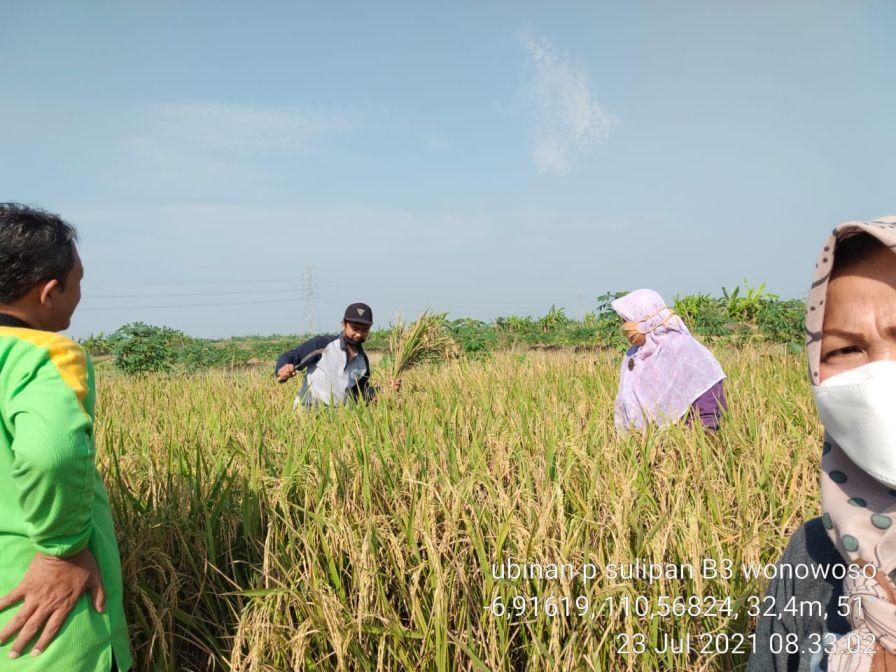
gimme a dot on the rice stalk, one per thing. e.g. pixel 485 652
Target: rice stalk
pixel 365 539
pixel 424 340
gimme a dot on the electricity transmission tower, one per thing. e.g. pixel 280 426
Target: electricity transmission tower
pixel 310 309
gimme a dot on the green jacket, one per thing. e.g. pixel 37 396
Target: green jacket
pixel 52 498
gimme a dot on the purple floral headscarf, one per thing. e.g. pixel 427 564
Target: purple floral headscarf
pixel 660 380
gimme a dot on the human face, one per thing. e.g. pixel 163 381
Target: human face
pixel 634 337
pixel 860 316
pixel 59 300
pixel 355 331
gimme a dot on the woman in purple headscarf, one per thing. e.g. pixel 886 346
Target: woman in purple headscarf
pixel 666 374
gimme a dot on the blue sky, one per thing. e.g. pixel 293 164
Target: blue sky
pixel 479 158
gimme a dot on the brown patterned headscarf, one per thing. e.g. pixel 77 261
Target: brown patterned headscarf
pixel 858 511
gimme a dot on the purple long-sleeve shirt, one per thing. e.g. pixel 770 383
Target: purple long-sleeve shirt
pixel 709 406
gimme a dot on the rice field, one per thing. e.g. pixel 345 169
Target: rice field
pixel 375 537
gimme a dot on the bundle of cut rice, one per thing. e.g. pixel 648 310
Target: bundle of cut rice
pixel 424 340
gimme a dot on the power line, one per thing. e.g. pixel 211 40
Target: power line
pixel 310 299
pixel 342 291
pixel 193 305
pixel 334 291
pixel 172 295
pixel 435 302
pixel 228 281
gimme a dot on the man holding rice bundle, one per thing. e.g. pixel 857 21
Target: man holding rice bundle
pixel 337 369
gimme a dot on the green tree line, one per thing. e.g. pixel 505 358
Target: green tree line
pixel 743 315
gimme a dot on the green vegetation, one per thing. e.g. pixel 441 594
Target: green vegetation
pixel 743 315
pixel 142 348
pixel 362 538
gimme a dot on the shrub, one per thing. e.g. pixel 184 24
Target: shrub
pixel 783 321
pixel 515 324
pixel 554 319
pixel 743 314
pixel 607 323
pixel 143 348
pixel 476 338
pixel 98 345
pixel 378 339
pixel 745 306
pixel 201 354
pixel 704 315
pixel 578 334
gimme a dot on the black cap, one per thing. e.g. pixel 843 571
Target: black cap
pixel 358 312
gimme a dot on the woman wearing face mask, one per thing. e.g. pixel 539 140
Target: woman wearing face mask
pixel 666 374
pixel 851 548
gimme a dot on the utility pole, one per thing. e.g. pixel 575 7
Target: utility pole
pixel 310 309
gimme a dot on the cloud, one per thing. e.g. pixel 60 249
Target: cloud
pixel 202 149
pixel 569 122
pixel 240 129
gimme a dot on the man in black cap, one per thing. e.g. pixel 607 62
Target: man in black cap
pixel 336 366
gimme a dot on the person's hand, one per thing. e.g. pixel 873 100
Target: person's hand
pixel 395 383
pixel 286 372
pixel 48 591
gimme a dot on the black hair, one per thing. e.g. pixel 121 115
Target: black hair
pixel 850 251
pixel 35 247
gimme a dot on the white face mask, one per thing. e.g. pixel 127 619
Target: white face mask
pixel 858 410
